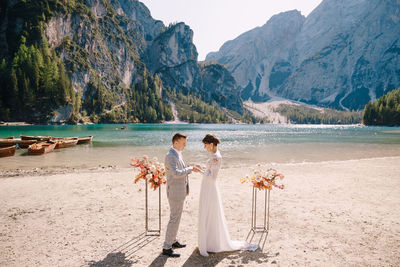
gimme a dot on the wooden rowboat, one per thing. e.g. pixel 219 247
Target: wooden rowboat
pixel 41 148
pixel 7 151
pixel 25 143
pixel 6 142
pixel 19 142
pixel 37 138
pixel 63 138
pixel 67 142
pixel 85 139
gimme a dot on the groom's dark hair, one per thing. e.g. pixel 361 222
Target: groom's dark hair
pixel 178 136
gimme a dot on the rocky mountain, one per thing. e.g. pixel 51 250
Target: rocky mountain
pixel 250 56
pixel 173 57
pixel 110 41
pixel 221 86
pixel 344 54
pixel 105 60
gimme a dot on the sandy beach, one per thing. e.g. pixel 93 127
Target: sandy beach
pixel 334 213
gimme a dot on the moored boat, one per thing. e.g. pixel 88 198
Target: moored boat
pixel 6 142
pixel 65 142
pixel 37 138
pixel 85 139
pixel 63 138
pixel 41 148
pixel 7 151
pixel 25 143
pixel 11 142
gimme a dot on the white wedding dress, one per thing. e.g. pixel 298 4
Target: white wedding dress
pixel 213 235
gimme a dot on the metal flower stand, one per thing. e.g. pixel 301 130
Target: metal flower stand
pixel 153 232
pixel 263 228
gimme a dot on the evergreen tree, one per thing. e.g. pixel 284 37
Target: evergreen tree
pixel 384 111
pixel 306 115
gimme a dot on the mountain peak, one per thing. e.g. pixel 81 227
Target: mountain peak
pixel 341 55
pixel 290 14
pixel 279 25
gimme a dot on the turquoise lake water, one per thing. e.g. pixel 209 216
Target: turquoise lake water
pixel 241 144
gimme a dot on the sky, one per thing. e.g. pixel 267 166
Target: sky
pixel 216 21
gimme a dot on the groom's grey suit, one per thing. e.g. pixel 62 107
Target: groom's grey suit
pixel 177 190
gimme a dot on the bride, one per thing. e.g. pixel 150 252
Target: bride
pixel 213 235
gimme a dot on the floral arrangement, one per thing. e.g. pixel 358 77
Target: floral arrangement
pixel 150 169
pixel 264 179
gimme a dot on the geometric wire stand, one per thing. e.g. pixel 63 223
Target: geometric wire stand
pixel 263 229
pixel 153 232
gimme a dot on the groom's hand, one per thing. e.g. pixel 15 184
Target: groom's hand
pixel 197 168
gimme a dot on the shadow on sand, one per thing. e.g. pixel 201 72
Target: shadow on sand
pixel 122 256
pixel 235 257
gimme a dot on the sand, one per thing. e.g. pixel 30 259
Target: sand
pixel 338 213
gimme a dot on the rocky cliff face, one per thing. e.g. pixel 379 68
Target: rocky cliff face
pixel 109 46
pixel 108 43
pixel 173 57
pixel 342 55
pixel 251 56
pixel 128 39
pixel 221 87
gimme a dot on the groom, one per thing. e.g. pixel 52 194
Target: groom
pixel 177 190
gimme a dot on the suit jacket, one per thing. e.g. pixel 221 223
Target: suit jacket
pixel 177 176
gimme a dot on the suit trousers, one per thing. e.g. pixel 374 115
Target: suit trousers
pixel 176 207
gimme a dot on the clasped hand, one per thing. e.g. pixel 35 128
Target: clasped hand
pixel 197 168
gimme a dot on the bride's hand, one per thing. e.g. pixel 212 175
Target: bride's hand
pixel 197 168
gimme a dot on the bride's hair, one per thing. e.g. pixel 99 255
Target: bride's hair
pixel 211 139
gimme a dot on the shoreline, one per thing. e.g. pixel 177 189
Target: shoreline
pixel 276 120
pixel 184 122
pixel 14 123
pixel 54 170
